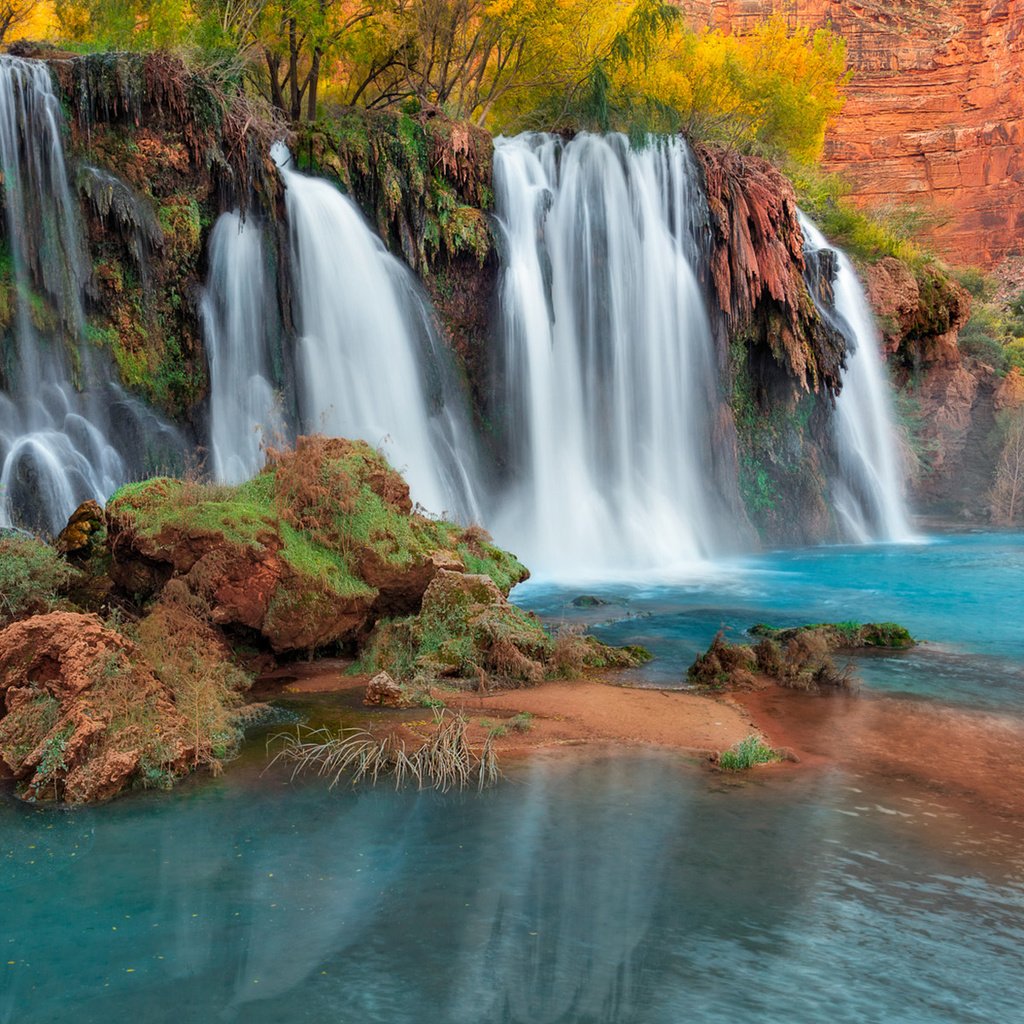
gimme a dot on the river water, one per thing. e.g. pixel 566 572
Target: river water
pixel 589 886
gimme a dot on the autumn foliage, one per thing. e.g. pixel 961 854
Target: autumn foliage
pixel 507 65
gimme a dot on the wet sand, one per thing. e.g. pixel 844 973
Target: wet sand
pixel 563 713
pixel 950 752
pixel 972 758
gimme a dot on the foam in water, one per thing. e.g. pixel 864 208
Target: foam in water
pixel 869 492
pixel 237 324
pixel 368 360
pixel 56 447
pixel 608 368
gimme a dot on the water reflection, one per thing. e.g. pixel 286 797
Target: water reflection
pixel 584 889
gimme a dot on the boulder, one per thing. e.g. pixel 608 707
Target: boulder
pixel 84 528
pixel 312 552
pixel 80 715
pixel 383 691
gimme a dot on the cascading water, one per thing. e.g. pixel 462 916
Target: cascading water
pixel 369 362
pixel 868 493
pixel 55 438
pixel 608 368
pixel 237 328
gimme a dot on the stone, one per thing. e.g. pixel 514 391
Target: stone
pixel 80 715
pixel 382 691
pixel 79 536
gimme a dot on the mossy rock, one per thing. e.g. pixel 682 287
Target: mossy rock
pixel 844 635
pixel 466 629
pixel 310 552
pixel 798 659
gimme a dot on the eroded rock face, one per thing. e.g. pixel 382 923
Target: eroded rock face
pixel 919 319
pixel 76 710
pixel 935 113
pixel 757 267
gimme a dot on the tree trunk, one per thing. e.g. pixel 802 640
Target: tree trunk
pixel 313 84
pixel 274 74
pixel 293 64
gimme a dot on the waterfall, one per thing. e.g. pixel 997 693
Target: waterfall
pixel 369 362
pixel 868 492
pixel 57 416
pixel 238 317
pixel 608 368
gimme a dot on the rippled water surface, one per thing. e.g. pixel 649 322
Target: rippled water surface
pixel 614 889
pixel 963 595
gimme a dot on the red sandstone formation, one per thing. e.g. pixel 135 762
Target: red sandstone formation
pixel 757 266
pixel 935 115
pixel 919 315
pixel 75 708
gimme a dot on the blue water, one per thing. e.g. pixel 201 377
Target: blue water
pixel 585 889
pixel 616 889
pixel 963 595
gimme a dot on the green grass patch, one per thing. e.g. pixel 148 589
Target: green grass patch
pixel 746 754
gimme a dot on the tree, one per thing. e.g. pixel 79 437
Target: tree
pixel 1007 495
pixel 16 14
pixel 297 37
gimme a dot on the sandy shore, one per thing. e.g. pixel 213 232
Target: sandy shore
pixel 975 758
pixel 563 713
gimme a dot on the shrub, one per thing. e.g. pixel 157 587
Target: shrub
pixel 190 659
pixel 745 754
pixel 979 341
pixel 522 722
pixel 32 577
pixel 722 664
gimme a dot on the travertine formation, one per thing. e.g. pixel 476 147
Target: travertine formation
pixel 935 115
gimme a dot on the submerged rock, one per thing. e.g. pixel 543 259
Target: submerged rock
pixel 843 635
pixel 799 658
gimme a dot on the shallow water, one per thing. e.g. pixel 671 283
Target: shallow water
pixel 961 594
pixel 588 887
pixel 617 888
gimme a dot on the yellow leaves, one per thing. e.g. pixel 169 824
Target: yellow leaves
pixel 772 88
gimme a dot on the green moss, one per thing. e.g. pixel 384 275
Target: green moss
pixel 338 480
pixel 314 561
pixel 424 181
pixel 840 635
pixel 32 577
pixel 193 507
pixel 776 467
pixel 504 568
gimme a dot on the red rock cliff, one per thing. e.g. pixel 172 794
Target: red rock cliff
pixel 935 113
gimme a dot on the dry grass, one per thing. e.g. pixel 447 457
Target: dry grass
pixel 444 761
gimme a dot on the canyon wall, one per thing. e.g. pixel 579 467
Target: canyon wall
pixel 935 115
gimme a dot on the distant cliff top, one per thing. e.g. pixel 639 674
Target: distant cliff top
pixel 935 113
